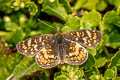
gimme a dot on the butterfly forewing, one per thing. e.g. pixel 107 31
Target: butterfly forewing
pixel 87 38
pixel 31 46
pixel 48 56
pixel 75 54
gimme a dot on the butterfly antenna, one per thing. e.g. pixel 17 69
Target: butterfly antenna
pixel 46 23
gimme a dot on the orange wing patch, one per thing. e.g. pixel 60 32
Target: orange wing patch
pixel 47 57
pixel 75 53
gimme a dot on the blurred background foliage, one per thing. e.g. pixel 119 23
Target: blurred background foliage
pixel 19 20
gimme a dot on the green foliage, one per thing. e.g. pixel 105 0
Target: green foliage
pixel 91 4
pixel 69 72
pixel 75 23
pixel 18 21
pixel 55 8
pixel 90 20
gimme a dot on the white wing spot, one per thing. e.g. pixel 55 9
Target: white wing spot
pixel 32 52
pixel 85 41
pixel 78 34
pixel 37 56
pixel 89 44
pixel 76 61
pixel 35 47
pixel 76 39
pixel 25 50
pixel 48 64
pixel 42 43
pixel 40 39
pixel 88 32
pixel 29 42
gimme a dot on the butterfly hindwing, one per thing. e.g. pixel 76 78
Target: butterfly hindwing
pixel 75 54
pixel 30 47
pixel 48 56
pixel 87 38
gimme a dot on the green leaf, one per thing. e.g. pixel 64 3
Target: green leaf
pixel 118 78
pixel 114 2
pixel 115 60
pixel 8 63
pixel 90 20
pixel 72 23
pixel 90 62
pixel 101 6
pixel 54 9
pixel 109 74
pixel 114 39
pixel 26 67
pixel 66 4
pixel 90 4
pixel 9 25
pixel 17 36
pixel 111 18
pixel 115 70
pixel 79 4
pixel 40 1
pixel 92 51
pixel 100 62
pixel 111 21
pixel 61 77
pixel 95 77
pixel 57 74
pixel 69 69
pixel 117 3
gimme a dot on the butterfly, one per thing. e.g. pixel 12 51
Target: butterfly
pixel 59 48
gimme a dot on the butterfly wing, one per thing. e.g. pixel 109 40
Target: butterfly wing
pixel 30 47
pixel 75 54
pixel 87 38
pixel 48 56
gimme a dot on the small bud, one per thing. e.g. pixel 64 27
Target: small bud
pixel 22 5
pixel 51 0
pixel 22 19
pixel 15 3
pixel 7 19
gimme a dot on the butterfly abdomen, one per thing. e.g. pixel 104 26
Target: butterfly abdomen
pixel 61 54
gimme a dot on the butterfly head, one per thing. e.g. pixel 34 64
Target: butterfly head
pixel 58 35
pixel 58 30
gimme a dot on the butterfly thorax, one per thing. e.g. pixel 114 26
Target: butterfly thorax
pixel 59 39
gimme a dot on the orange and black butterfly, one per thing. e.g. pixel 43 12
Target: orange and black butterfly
pixel 52 49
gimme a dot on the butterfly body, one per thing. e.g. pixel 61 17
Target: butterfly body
pixel 59 41
pixel 50 50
